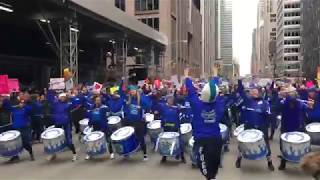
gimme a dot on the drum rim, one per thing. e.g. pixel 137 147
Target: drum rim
pixel 191 140
pixel 240 139
pixel 224 126
pixel 61 131
pixel 116 138
pixel 84 121
pixel 175 133
pixel 236 131
pixel 307 138
pixel 189 125
pixel 118 119
pixel 88 127
pixel 94 132
pixel 312 124
pixel 10 131
pixel 154 122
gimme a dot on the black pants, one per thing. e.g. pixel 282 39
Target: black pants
pixel 106 135
pixel 37 127
pixel 140 131
pixel 76 116
pixel 209 156
pixel 26 138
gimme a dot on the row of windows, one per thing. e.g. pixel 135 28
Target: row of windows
pixel 292 33
pixel 274 29
pixel 273 34
pixel 292 22
pixel 146 5
pixel 291 50
pixel 291 58
pixel 292 6
pixel 273 15
pixel 273 20
pixel 152 22
pixel 121 4
pixel 291 14
pixel 288 42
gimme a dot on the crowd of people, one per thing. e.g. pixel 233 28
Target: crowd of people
pixel 203 104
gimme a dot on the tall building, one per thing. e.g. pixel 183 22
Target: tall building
pixel 224 53
pixel 265 37
pixel 254 63
pixel 310 37
pixel 180 21
pixel 208 37
pixel 288 54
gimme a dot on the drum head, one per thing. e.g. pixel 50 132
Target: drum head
pixel 122 133
pixel 114 120
pixel 93 136
pixel 168 135
pixel 191 141
pixel 149 117
pixel 9 135
pixel 185 128
pixel 238 130
pixel 87 130
pixel 84 121
pixel 313 127
pixel 154 124
pixel 251 135
pixel 295 137
pixel 52 133
pixel 223 128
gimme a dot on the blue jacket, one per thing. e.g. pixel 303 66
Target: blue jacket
pixel 293 114
pixel 77 100
pixel 20 116
pixel 60 110
pixel 256 110
pixel 133 111
pixel 206 116
pixel 170 116
pixel 97 117
pixel 37 108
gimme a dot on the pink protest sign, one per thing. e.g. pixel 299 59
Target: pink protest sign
pixel 4 89
pixel 13 85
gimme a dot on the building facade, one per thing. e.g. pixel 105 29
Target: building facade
pixel 288 47
pixel 224 50
pixel 265 38
pixel 180 21
pixel 310 37
pixel 208 37
pixel 254 63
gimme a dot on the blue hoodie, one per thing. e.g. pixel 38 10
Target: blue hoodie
pixel 257 110
pixel 97 117
pixel 20 116
pixel 133 111
pixel 77 100
pixel 293 113
pixel 60 110
pixel 206 116
pixel 170 116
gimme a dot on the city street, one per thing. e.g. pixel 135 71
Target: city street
pixel 135 168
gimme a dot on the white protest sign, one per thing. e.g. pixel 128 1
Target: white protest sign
pixel 57 83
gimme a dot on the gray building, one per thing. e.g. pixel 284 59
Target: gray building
pixel 224 50
pixel 310 37
pixel 288 56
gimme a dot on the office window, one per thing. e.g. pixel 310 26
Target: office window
pixel 121 4
pixel 146 5
pixel 152 22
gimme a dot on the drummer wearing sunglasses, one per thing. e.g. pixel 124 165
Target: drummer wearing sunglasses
pixel 21 122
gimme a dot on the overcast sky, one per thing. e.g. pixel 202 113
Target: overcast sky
pixel 244 21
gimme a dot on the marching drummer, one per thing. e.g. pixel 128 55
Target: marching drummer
pixel 207 114
pixel 257 112
pixel 98 120
pixel 313 114
pixel 171 123
pixel 292 115
pixel 133 110
pixel 77 113
pixel 60 109
pixel 21 122
pixel 116 102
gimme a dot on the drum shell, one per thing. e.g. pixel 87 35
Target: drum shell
pixel 315 137
pixel 126 146
pixel 97 147
pixel 82 126
pixel 115 126
pixel 293 152
pixel 154 133
pixel 253 150
pixel 12 147
pixel 165 146
pixel 54 145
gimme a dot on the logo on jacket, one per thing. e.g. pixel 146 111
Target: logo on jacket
pixel 134 109
pixel 209 116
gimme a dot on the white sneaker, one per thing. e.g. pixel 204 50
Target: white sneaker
pixel 112 156
pixel 74 157
pixel 145 158
pixel 87 157
pixel 51 157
